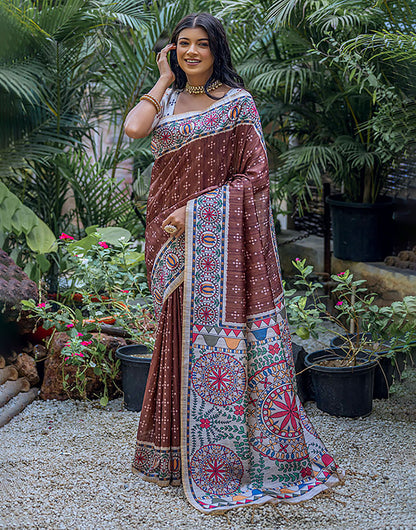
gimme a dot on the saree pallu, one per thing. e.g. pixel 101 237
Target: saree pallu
pixel 241 435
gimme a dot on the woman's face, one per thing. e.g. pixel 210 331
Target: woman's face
pixel 194 54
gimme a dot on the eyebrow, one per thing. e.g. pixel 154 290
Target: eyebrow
pixel 187 38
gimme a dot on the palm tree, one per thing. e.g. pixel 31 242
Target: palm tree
pixel 324 101
pixel 66 66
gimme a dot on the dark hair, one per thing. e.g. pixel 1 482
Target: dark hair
pixel 223 69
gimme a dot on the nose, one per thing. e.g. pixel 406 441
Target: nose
pixel 192 48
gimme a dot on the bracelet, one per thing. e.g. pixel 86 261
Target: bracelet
pixel 154 101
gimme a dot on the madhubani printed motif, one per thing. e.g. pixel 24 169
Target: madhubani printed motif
pixel 245 435
pixel 157 462
pixel 171 135
pixel 219 378
pixel 167 272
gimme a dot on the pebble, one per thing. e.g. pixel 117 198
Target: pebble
pixel 77 475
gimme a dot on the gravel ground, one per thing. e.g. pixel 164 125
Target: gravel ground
pixel 66 465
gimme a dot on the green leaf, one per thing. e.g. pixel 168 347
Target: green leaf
pixel 84 244
pixel 91 229
pixel 41 239
pixel 104 401
pixel 302 332
pixel 43 262
pixel 113 235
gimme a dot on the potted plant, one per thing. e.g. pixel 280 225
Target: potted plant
pixel 343 378
pixel 340 111
pixel 104 270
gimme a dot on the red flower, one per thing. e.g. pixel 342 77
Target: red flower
pixel 86 342
pixel 274 349
pixel 306 472
pixel 103 244
pixel 205 423
pixel 42 304
pixel 65 236
pixel 239 410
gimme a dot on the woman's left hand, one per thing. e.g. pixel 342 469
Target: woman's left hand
pixel 176 218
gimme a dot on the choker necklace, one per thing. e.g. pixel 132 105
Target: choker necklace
pixel 199 89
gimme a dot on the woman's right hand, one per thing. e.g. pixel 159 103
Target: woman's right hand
pixel 163 63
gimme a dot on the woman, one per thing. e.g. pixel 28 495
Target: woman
pixel 220 411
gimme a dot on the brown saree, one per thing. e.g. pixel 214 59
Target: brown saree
pixel 221 412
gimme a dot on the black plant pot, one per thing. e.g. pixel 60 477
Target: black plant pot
pixel 135 363
pixel 361 231
pixel 346 391
pixel 303 377
pixel 387 369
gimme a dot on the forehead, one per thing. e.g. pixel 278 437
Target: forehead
pixel 194 34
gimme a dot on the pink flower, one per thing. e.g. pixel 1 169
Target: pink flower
pixel 80 354
pixel 297 259
pixel 80 334
pixel 125 291
pixel 103 244
pixel 205 423
pixel 86 342
pixel 42 304
pixel 239 410
pixel 341 274
pixel 66 358
pixel 339 304
pixel 65 236
pixel 70 325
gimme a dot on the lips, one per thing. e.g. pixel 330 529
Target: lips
pixel 192 61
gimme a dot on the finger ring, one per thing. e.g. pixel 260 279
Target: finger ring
pixel 170 229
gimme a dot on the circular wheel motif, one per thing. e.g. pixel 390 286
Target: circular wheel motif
pixel 275 428
pixel 143 459
pixel 207 314
pixel 216 469
pixel 208 264
pixel 211 120
pixel 279 412
pixel 210 214
pixel 219 378
pixel 306 422
pixel 165 137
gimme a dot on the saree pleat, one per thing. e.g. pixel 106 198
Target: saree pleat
pixel 157 457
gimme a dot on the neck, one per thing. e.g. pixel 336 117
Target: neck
pixel 197 80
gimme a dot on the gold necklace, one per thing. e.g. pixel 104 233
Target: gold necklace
pixel 200 89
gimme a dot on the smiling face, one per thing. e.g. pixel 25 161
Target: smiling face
pixel 194 55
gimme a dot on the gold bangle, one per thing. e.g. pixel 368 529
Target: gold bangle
pixel 154 101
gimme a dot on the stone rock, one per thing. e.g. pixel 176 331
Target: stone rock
pixel 26 366
pixel 55 370
pixel 15 286
pixel 39 352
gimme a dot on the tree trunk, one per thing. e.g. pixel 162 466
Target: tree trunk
pixel 10 389
pixel 22 400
